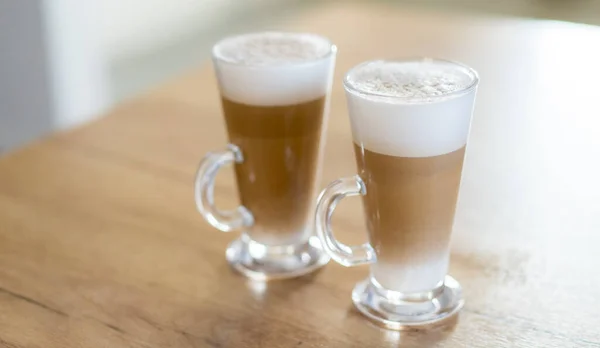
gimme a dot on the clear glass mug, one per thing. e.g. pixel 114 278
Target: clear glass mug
pixel 410 124
pixel 275 89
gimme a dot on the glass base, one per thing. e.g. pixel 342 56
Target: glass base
pixel 261 262
pixel 397 311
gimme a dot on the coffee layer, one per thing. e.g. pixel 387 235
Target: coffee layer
pixel 277 178
pixel 409 208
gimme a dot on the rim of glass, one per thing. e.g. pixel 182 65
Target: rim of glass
pixel 332 49
pixel 411 99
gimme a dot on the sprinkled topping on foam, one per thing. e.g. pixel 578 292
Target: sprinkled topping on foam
pixel 418 80
pixel 272 48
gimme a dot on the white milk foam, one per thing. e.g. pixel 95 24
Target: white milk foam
pixel 274 68
pixel 411 278
pixel 411 109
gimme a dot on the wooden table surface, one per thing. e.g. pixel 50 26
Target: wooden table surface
pixel 101 245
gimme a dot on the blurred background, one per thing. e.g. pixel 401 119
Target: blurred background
pixel 64 62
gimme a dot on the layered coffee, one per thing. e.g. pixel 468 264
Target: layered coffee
pixel 409 209
pixel 410 132
pixel 273 91
pixel 276 180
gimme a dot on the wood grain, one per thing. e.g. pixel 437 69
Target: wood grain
pixel 101 246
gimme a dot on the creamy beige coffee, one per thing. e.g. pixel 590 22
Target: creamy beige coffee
pixel 276 180
pixel 273 89
pixel 410 132
pixel 410 205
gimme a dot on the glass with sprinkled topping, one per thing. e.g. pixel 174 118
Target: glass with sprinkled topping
pixel 410 124
pixel 274 90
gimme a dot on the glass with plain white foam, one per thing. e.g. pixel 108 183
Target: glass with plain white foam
pixel 410 123
pixel 274 89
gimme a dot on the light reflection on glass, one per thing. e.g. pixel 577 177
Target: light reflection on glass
pixel 257 288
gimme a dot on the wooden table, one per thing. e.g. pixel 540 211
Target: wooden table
pixel 101 246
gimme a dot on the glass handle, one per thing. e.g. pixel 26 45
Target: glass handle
pixel 328 199
pixel 204 187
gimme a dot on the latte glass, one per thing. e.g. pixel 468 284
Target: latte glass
pixel 410 124
pixel 274 89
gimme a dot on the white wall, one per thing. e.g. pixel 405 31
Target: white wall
pixel 52 70
pixel 77 60
pixel 25 102
pixel 131 27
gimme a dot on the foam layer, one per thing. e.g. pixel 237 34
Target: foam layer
pixel 411 109
pixel 411 278
pixel 273 68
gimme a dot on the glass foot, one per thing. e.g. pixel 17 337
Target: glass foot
pixel 397 311
pixel 261 262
